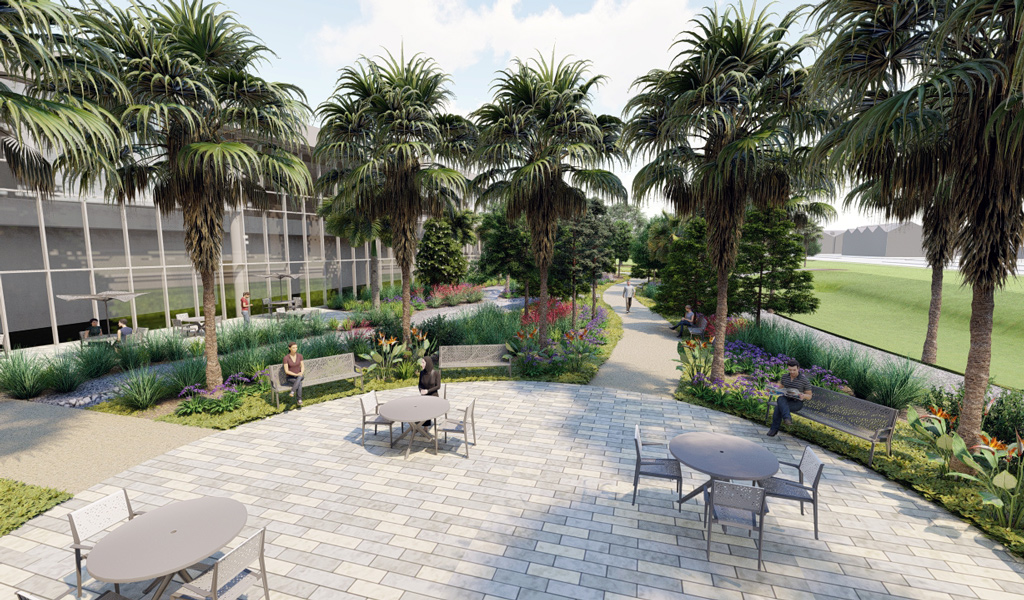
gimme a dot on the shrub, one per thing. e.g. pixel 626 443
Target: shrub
pixel 334 324
pixel 896 385
pixel 132 355
pixel 488 325
pixel 63 373
pixel 439 258
pixel 444 331
pixel 1005 417
pixel 248 361
pixel 96 360
pixel 186 373
pixel 22 375
pixel 318 347
pixel 384 320
pixel 141 389
pixel 165 347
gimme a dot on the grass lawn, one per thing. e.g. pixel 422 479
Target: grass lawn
pixel 19 502
pixel 887 307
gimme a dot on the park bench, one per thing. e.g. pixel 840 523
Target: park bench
pixel 484 355
pixel 861 418
pixel 318 370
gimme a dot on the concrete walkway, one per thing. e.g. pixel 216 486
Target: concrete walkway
pixel 644 359
pixel 73 450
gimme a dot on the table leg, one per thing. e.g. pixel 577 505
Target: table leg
pixel 163 586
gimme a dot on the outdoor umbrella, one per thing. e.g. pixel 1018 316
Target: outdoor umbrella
pixel 279 276
pixel 104 297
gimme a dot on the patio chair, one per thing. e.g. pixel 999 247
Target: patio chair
pixel 297 304
pixel 266 303
pixel 94 518
pixel 141 332
pixel 232 575
pixel 806 490
pixel 371 416
pixel 735 505
pixel 463 425
pixel 661 468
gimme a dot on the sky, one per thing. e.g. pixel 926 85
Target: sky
pixel 473 39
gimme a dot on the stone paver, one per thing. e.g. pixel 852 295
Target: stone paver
pixel 540 510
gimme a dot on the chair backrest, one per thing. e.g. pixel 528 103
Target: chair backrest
pixel 443 392
pixel 234 562
pixel 811 467
pixel 741 497
pixel 94 518
pixel 638 443
pixel 369 403
pixel 142 331
pixel 470 410
pixel 181 316
pixel 81 336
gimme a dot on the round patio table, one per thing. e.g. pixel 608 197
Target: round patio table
pixel 415 410
pixel 722 456
pixel 166 541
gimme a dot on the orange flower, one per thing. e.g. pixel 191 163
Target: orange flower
pixel 938 412
pixel 691 344
pixel 992 442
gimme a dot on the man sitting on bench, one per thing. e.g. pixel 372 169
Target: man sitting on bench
pixel 795 389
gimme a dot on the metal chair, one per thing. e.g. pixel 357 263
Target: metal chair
pixel 372 416
pixel 141 332
pixel 82 336
pixel 297 303
pixel 661 468
pixel 266 303
pixel 231 576
pixel 809 468
pixel 463 425
pixel 94 518
pixel 734 505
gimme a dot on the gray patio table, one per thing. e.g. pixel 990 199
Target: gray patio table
pixel 722 456
pixel 166 541
pixel 415 410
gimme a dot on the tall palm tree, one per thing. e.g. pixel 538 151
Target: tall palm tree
pixel 540 150
pixel 344 220
pixel 464 225
pixel 46 72
pixel 721 129
pixel 960 97
pixel 203 132
pixel 386 120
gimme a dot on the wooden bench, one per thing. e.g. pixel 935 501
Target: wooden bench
pixel 318 370
pixel 485 355
pixel 866 420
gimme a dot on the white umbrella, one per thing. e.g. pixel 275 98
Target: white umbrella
pixel 104 297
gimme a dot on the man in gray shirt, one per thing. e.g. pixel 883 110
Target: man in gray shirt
pixel 628 292
pixel 796 388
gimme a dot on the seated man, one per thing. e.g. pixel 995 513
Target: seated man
pixel 94 328
pixel 688 320
pixel 792 380
pixel 123 330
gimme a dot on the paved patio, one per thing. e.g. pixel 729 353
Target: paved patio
pixel 541 510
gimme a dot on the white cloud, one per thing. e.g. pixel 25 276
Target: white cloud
pixel 623 39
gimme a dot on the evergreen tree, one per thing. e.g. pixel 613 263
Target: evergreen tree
pixel 439 259
pixel 770 253
pixel 506 249
pixel 629 213
pixel 688 277
pixel 622 242
pixel 582 252
pixel 646 264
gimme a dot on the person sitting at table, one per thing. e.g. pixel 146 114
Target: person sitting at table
pixel 430 380
pixel 94 328
pixel 792 380
pixel 123 330
pixel 294 370
pixel 688 320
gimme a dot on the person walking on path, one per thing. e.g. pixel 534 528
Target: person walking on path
pixel 294 370
pixel 628 292
pixel 795 389
pixel 246 311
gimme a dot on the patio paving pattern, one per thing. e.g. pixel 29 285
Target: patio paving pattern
pixel 539 511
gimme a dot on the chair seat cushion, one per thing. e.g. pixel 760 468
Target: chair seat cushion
pixel 380 419
pixel 783 488
pixel 660 467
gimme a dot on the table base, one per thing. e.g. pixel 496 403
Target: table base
pixel 416 429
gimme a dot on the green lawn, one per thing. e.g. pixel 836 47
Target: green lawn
pixel 887 307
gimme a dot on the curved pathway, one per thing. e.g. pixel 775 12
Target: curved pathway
pixel 643 361
pixel 541 509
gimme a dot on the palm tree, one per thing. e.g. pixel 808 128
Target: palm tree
pixel 386 121
pixel 344 220
pixel 540 150
pixel 721 129
pixel 464 225
pixel 956 105
pixel 203 132
pixel 46 70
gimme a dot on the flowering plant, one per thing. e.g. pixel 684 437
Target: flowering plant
pixel 732 325
pixel 223 398
pixel 579 348
pixel 528 354
pixel 695 358
pixel 556 310
pixel 386 357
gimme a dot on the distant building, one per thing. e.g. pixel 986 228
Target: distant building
pixel 891 239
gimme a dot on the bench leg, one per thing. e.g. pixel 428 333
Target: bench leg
pixel 871 457
pixel 277 399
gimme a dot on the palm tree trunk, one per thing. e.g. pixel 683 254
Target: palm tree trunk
pixel 508 284
pixel 931 339
pixel 721 317
pixel 406 301
pixel 979 359
pixel 214 376
pixel 542 310
pixel 374 274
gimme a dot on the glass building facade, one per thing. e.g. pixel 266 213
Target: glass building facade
pixel 80 244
